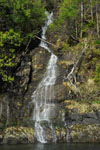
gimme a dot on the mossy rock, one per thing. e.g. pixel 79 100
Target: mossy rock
pixel 85 133
pixel 81 107
pixel 18 135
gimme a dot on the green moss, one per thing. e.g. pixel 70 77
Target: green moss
pixel 97 73
pixel 82 107
pixel 96 102
pixel 85 133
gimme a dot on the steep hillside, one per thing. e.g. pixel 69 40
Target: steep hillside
pixel 74 39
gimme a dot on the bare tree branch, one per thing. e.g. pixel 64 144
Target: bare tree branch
pixel 46 41
pixel 71 75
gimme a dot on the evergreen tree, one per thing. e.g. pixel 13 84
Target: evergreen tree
pixel 20 20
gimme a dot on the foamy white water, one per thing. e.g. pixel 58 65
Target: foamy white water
pixel 44 29
pixel 43 96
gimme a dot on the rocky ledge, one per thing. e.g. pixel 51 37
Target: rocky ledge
pixel 75 133
pixel 85 133
pixel 17 135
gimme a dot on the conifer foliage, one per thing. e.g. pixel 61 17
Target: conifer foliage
pixel 20 20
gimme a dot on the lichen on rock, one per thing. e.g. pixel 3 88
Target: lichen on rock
pixel 85 133
pixel 18 135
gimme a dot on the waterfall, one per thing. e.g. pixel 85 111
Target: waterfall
pixel 44 29
pixel 43 97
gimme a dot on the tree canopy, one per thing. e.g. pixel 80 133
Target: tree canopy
pixel 20 20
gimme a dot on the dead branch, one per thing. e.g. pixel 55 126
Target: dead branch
pixel 28 44
pixel 46 41
pixel 71 75
pixel 79 60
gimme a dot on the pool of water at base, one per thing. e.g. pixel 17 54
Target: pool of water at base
pixel 68 146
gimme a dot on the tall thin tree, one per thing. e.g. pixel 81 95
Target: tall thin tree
pixel 82 16
pixel 97 19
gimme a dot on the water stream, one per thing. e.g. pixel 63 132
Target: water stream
pixel 43 96
pixel 44 29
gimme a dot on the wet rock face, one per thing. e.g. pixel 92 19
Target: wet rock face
pixel 79 113
pixel 25 135
pixel 83 121
pixel 4 110
pixel 61 91
pixel 51 111
pixel 39 63
pixel 22 76
pixel 31 69
pixel 40 58
pixel 61 135
pixel 90 118
pixel 17 107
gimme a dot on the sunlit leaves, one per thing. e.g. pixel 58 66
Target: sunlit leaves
pixel 97 73
pixel 20 20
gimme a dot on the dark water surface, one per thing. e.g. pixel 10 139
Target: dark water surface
pixel 71 146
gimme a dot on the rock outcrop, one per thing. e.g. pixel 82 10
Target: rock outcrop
pixel 18 135
pixel 85 133
pixel 77 117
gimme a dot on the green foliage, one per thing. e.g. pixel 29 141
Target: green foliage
pixel 69 9
pixel 24 16
pixel 65 47
pixel 96 49
pixel 97 73
pixel 20 20
pixel 91 24
pixel 78 17
pixel 97 42
pixel 10 38
pixel 9 41
pixel 68 14
pixel 96 102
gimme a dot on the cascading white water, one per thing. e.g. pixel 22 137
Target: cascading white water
pixel 44 29
pixel 43 96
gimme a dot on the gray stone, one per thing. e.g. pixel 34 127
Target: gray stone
pixel 98 115
pixel 90 121
pixel 90 115
pixel 75 117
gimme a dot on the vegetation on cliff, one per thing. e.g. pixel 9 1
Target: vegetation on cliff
pixel 76 33
pixel 20 21
pixel 75 38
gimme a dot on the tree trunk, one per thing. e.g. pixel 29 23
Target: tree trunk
pixel 97 19
pixel 91 9
pixel 76 67
pixel 76 26
pixel 82 16
pixel 45 41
